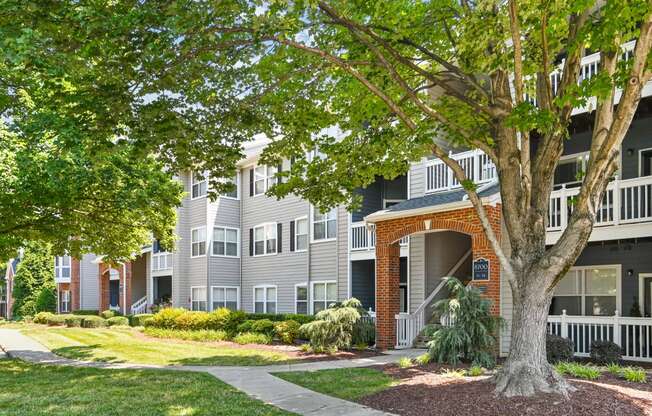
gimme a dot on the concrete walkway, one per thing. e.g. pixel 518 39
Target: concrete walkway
pixel 257 381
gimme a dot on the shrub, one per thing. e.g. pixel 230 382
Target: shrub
pixel 614 369
pixel 605 352
pixel 108 314
pixel 118 321
pixel 635 375
pixel 405 362
pixel 475 371
pixel 423 359
pixel 333 327
pixel 246 326
pixel 364 332
pixel 263 326
pixel 192 320
pixel 252 338
pixel 46 298
pixel 27 319
pixel 232 321
pixel 287 331
pixel 94 322
pixel 139 320
pixel 57 320
pixel 42 317
pixel 85 312
pixel 74 321
pixel 361 346
pixel 204 335
pixel 472 333
pixel 165 318
pixel 586 372
pixel 278 317
pixel 558 349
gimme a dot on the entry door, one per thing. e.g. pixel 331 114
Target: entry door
pixel 114 292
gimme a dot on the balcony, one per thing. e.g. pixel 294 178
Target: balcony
pixel 626 207
pixel 161 263
pixel 363 239
pixel 477 166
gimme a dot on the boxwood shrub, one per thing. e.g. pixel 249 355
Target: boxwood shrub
pixel 84 312
pixel 94 322
pixel 42 317
pixel 139 320
pixel 287 331
pixel 118 320
pixel 605 352
pixel 109 314
pixel 57 320
pixel 74 321
pixel 279 317
pixel 558 349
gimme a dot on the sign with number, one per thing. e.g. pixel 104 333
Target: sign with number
pixel 481 269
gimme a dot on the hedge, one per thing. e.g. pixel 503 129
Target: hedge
pixel 139 320
pixel 279 317
pixel 118 320
pixel 42 317
pixel 57 320
pixel 94 322
pixel 74 321
pixel 109 314
pixel 85 312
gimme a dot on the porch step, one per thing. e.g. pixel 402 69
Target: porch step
pixel 421 341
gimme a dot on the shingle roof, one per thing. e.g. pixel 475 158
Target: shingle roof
pixel 441 198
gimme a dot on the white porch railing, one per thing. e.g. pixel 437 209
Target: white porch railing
pixel 408 325
pixel 363 237
pixel 161 261
pixel 624 201
pixel 140 306
pixel 634 335
pixel 477 166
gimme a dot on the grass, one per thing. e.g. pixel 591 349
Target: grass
pixel 125 345
pixel 29 389
pixel 345 383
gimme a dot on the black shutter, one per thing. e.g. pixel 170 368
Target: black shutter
pixel 292 236
pixel 251 241
pixel 251 182
pixel 279 169
pixel 279 237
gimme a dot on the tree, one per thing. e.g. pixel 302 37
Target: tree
pixel 400 80
pixel 34 287
pixel 93 128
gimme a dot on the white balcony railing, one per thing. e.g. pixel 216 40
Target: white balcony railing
pixel 477 166
pixel 363 237
pixel 161 261
pixel 633 335
pixel 624 201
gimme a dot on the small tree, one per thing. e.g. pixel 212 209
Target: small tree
pixel 472 332
pixel 333 327
pixel 34 287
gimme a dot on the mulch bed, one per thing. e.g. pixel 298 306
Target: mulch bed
pixel 424 390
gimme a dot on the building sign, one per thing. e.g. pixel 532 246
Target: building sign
pixel 481 269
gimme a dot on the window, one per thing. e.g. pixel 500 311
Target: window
pixel 265 239
pixel 234 193
pixel 64 297
pixel 225 297
pixel 226 241
pixel 323 294
pixel 199 185
pixel 198 241
pixel 323 225
pixel 301 235
pixel 590 291
pixel 198 298
pixel 645 163
pixel 265 299
pixel 570 170
pixel 264 178
pixel 62 267
pixel 301 299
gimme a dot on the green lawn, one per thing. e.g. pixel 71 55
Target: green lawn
pixel 127 345
pixel 29 389
pixel 345 383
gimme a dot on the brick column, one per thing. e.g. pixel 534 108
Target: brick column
pixel 387 294
pixel 104 286
pixel 75 277
pixel 125 283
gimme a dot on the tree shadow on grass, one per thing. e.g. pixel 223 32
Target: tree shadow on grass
pixel 85 353
pixel 232 360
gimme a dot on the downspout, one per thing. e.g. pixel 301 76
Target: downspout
pixel 308 252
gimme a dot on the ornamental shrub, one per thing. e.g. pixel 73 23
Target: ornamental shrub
pixel 279 317
pixel 42 317
pixel 333 327
pixel 204 335
pixel 252 338
pixel 558 349
pixel 364 332
pixel 263 326
pixel 472 334
pixel 139 320
pixel 287 331
pixel 94 322
pixel 57 320
pixel 216 319
pixel 605 352
pixel 165 318
pixel 246 326
pixel 74 321
pixel 84 312
pixel 232 321
pixel 634 374
pixel 192 320
pixel 118 321
pixel 108 314
pixel 584 371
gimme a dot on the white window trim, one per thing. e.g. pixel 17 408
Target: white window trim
pixel 312 292
pixel 66 302
pixel 312 227
pixel 640 156
pixel 265 300
pixel 296 222
pixel 237 189
pixel 237 288
pixel 583 294
pixel 193 242
pixel 237 242
pixel 268 178
pixel 296 287
pixel 574 156
pixel 199 300
pixel 265 224
pixel 192 184
pixel 57 269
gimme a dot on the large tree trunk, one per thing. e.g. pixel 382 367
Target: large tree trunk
pixel 526 370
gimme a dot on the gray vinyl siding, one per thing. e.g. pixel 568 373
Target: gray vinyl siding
pixel 89 281
pixel 224 271
pixel 417 273
pixel 417 184
pixel 342 253
pixel 283 270
pixel 639 137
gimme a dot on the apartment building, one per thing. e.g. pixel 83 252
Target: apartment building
pixel 255 253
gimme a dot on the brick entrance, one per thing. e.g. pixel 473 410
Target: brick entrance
pixel 124 295
pixel 388 232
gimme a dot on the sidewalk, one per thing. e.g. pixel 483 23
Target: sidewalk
pixel 257 382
